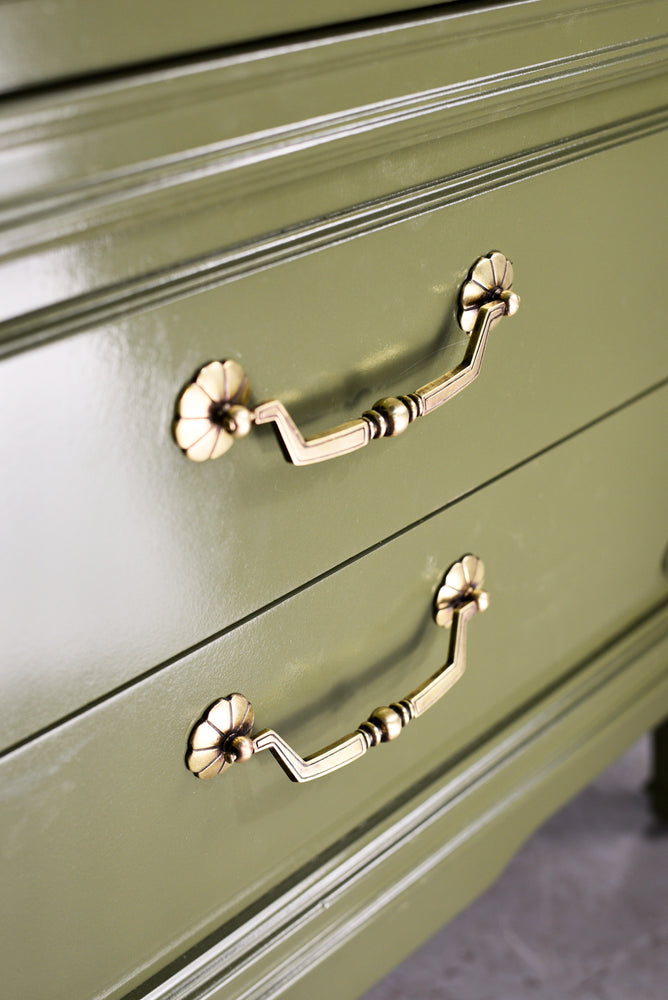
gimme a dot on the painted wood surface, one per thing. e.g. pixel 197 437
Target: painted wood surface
pixel 121 553
pixel 125 192
pixel 106 835
pixel 44 42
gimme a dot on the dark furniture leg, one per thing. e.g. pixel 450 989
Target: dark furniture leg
pixel 657 788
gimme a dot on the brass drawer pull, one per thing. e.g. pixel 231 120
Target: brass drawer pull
pixel 224 733
pixel 214 409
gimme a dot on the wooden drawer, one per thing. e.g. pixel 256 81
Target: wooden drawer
pixel 120 553
pixel 309 209
pixel 147 187
pixel 109 842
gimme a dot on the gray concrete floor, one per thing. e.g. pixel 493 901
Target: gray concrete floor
pixel 581 913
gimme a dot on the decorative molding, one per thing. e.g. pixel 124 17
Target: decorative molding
pixel 134 181
pixel 110 303
pixel 304 924
pixel 441 111
pixel 139 678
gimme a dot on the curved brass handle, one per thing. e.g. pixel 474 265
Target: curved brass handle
pixel 224 733
pixel 214 409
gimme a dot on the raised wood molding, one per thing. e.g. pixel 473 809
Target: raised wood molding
pixel 98 306
pixel 124 192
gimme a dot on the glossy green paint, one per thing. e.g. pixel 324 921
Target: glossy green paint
pixel 310 206
pixel 107 837
pixel 94 37
pixel 658 786
pixel 176 179
pixel 160 553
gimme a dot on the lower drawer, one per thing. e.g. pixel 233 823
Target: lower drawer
pixel 116 859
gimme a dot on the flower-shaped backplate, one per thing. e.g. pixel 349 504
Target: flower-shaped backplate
pixel 200 428
pixel 487 279
pixel 210 741
pixel 461 584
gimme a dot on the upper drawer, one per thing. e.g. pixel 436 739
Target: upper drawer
pixel 120 553
pixel 105 835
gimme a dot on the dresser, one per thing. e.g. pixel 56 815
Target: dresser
pixel 425 244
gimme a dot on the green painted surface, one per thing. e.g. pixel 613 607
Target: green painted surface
pixel 107 837
pixel 93 37
pixel 135 553
pixel 467 846
pixel 311 209
pixel 658 786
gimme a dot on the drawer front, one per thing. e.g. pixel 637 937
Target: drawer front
pixel 103 808
pixel 121 553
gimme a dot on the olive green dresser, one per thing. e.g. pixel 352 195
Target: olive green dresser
pixel 334 375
